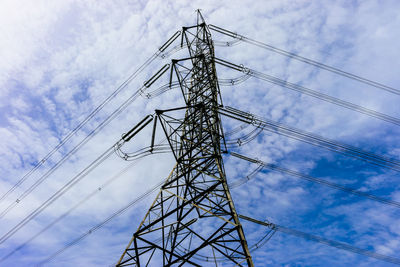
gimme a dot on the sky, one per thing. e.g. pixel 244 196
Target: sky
pixel 61 59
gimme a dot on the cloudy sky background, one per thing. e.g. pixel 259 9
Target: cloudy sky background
pixel 61 59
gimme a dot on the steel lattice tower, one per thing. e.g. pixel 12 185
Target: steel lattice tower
pixel 193 220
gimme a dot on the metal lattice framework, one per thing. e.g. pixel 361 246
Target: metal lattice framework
pixel 193 219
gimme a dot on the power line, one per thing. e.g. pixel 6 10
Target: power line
pixel 199 178
pixel 311 179
pixel 138 156
pixel 173 85
pixel 105 155
pixel 245 138
pixel 325 241
pixel 100 225
pixel 310 138
pixel 91 115
pixel 310 92
pixel 305 60
pixel 65 214
pixel 104 123
pixel 71 152
pixel 259 244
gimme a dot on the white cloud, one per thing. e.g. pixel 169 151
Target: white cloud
pixel 60 59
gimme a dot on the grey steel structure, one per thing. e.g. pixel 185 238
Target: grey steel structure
pixel 192 221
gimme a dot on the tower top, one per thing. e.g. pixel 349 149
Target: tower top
pixel 200 18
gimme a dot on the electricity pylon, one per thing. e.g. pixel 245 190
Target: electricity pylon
pixel 193 220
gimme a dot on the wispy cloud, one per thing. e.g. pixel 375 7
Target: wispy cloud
pixel 61 59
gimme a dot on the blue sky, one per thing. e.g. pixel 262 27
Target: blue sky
pixel 61 59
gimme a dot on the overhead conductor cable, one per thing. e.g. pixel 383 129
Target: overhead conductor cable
pixel 92 114
pixel 78 177
pixel 111 117
pixel 305 60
